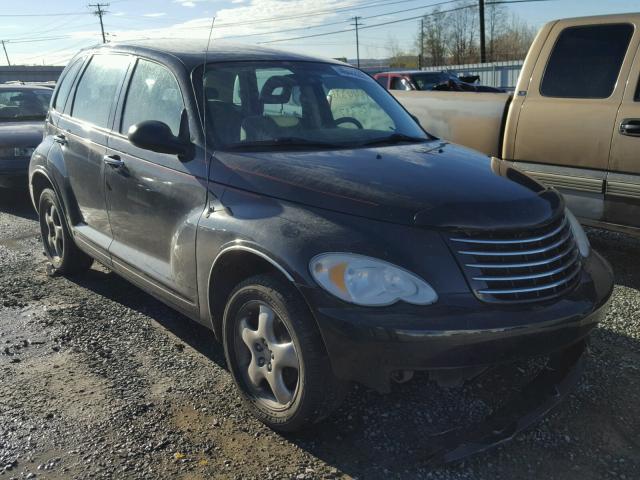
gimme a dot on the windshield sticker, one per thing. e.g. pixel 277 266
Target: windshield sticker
pixel 349 72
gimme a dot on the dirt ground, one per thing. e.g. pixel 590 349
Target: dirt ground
pixel 99 380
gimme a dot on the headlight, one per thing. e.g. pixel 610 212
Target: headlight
pixel 369 281
pixel 578 233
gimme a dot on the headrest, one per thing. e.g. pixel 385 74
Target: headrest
pixel 277 90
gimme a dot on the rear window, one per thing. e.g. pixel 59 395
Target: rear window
pixel 586 61
pixel 382 80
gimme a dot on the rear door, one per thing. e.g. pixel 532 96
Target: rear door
pixel 83 136
pixel 155 200
pixel 623 181
pixel 566 120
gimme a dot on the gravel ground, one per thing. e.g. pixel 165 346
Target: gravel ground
pixel 99 380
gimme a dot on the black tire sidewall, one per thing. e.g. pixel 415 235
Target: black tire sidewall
pixel 48 197
pixel 287 308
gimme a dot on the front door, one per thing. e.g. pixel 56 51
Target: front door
pixel 155 200
pixel 623 181
pixel 82 134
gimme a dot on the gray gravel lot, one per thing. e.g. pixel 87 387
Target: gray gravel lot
pixel 99 380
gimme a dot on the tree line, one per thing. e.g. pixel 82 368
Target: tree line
pixel 453 37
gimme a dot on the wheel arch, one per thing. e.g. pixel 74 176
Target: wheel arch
pixel 232 265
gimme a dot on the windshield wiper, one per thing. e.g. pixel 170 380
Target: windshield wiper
pixel 393 139
pixel 281 141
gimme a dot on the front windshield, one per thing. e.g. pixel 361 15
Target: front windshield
pixel 294 104
pixel 24 104
pixel 426 81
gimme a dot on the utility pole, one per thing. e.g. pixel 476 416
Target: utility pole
pixel 483 45
pixel 357 24
pixel 5 53
pixel 100 12
pixel 421 56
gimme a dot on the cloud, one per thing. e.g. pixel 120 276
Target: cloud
pixel 188 4
pixel 154 15
pixel 237 1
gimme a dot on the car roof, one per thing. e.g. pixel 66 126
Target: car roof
pixel 191 52
pixel 21 86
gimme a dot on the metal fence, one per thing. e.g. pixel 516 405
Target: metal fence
pixel 494 74
pixel 32 73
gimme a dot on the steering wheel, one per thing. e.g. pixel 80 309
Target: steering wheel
pixel 355 121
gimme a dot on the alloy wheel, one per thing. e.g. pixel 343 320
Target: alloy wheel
pixel 266 355
pixel 54 235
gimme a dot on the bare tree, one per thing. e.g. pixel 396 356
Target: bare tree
pixel 435 37
pixel 497 18
pixel 463 24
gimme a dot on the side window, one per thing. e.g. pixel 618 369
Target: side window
pixel 64 87
pixel 585 61
pixel 382 80
pixel 399 83
pixel 154 94
pixel 97 89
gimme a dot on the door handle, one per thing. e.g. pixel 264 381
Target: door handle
pixel 60 138
pixel 113 161
pixel 630 127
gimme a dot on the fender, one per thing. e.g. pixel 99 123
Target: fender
pixel 48 160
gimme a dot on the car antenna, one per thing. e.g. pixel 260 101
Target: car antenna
pixel 204 91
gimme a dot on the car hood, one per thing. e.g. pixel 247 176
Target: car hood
pixel 21 134
pixel 428 184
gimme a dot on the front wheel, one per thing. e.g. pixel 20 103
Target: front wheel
pixel 276 355
pixel 65 257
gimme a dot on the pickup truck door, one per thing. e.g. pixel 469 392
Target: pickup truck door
pixel 623 181
pixel 566 121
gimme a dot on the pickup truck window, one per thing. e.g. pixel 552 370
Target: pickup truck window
pixel 585 61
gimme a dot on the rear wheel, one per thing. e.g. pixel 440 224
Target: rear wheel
pixel 61 250
pixel 276 355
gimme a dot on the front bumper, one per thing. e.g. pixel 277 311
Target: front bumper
pixel 14 172
pixel 458 332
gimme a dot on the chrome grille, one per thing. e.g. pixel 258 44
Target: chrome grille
pixel 520 266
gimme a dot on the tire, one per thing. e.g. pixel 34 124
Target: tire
pixel 59 247
pixel 261 358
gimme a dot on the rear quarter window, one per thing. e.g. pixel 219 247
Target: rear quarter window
pixel 586 61
pixel 65 85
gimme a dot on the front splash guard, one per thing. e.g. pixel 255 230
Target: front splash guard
pixel 534 401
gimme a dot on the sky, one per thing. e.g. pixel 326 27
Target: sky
pixel 39 32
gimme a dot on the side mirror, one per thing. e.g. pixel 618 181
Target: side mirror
pixel 157 137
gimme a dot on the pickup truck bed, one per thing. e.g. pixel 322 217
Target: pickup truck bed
pixel 475 120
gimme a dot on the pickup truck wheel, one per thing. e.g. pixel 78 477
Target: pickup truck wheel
pixel 276 355
pixel 61 250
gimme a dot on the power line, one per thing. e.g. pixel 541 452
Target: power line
pixel 464 7
pixel 99 12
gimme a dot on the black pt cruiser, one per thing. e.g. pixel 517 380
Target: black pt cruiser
pixel 293 206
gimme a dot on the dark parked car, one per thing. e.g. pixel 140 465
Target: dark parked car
pixel 22 113
pixel 293 206
pixel 425 81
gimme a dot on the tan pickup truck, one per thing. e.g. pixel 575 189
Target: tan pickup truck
pixel 573 121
